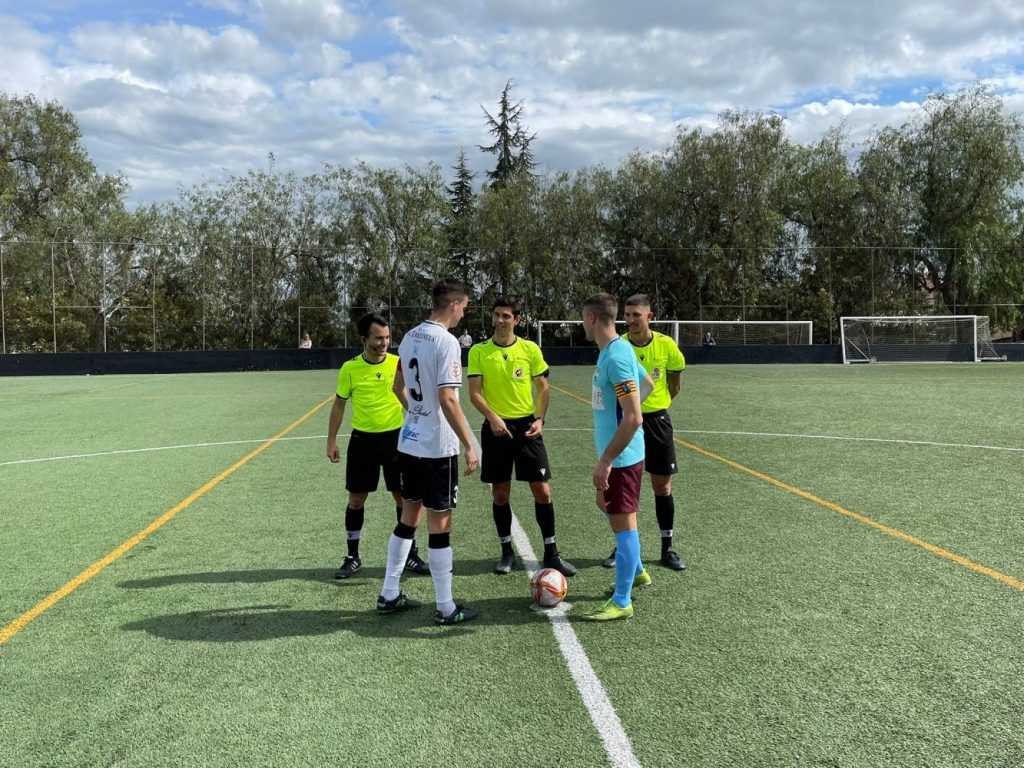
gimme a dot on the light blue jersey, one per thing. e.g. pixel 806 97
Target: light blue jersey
pixel 618 372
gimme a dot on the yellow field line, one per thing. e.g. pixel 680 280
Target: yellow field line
pixel 19 623
pixel 894 532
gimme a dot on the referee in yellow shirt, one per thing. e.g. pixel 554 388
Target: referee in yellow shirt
pixel 367 380
pixel 503 373
pixel 659 355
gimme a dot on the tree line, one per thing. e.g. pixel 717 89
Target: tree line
pixel 737 220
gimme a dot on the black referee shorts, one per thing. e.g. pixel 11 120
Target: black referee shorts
pixel 659 444
pixel 500 454
pixel 369 453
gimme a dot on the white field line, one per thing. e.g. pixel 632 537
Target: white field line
pixel 156 448
pixel 550 429
pixel 197 445
pixel 606 720
pixel 929 443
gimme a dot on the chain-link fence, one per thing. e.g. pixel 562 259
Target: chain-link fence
pixel 76 297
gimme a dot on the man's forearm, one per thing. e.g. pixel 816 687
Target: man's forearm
pixel 334 423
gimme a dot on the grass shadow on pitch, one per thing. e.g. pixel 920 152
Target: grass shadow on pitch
pixel 257 576
pixel 481 567
pixel 254 623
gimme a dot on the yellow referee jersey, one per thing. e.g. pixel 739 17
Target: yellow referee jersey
pixel 659 356
pixel 374 405
pixel 507 374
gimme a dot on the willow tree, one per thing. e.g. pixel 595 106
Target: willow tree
pixel 945 188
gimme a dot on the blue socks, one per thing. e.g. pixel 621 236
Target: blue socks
pixel 627 565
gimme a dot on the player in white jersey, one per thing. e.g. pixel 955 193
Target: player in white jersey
pixel 430 362
pixel 427 384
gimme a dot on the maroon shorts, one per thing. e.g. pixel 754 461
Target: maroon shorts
pixel 623 494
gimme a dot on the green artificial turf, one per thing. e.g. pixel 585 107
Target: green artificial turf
pixel 797 636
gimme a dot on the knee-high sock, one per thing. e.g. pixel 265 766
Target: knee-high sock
pixel 665 511
pixel 398 552
pixel 503 524
pixel 627 558
pixel 353 529
pixel 439 556
pixel 545 514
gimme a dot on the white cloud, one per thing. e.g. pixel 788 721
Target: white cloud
pixel 299 22
pixel 167 49
pixel 25 65
pixel 168 101
pixel 807 123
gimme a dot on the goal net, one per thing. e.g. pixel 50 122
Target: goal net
pixel 693 332
pixel 949 338
pixel 744 332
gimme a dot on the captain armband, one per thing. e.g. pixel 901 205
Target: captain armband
pixel 625 388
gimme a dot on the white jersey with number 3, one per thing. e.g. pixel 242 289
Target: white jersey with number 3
pixel 430 359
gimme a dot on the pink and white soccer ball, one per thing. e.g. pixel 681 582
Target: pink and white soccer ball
pixel 548 587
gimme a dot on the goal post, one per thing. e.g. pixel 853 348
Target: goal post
pixel 916 339
pixel 697 332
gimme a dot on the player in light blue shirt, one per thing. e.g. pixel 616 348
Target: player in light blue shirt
pixel 616 369
pixel 619 386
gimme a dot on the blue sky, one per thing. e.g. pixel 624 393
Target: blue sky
pixel 171 94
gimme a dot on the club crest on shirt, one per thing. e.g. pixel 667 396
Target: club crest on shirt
pixel 656 373
pixel 519 372
pixel 455 370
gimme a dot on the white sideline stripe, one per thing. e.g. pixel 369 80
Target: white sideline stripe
pixel 149 450
pixel 606 720
pixel 851 439
pixel 206 445
pixel 550 429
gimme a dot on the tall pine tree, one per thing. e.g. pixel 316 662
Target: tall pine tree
pixel 511 140
pixel 460 224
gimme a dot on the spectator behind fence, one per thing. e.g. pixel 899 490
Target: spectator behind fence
pixel 709 340
pixel 306 343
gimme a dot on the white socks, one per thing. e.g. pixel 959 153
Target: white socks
pixel 398 553
pixel 440 561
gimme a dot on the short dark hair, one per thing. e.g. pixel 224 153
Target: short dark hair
pixel 507 301
pixel 604 305
pixel 639 300
pixel 370 318
pixel 447 291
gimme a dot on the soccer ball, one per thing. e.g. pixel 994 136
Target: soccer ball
pixel 548 587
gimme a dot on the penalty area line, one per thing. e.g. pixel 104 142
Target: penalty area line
pixel 606 720
pixel 9 631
